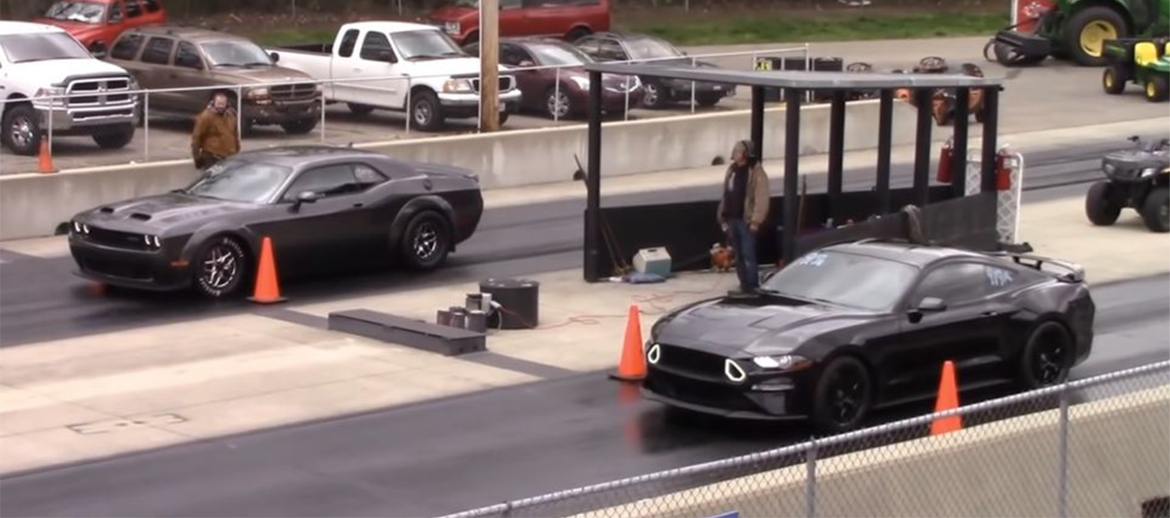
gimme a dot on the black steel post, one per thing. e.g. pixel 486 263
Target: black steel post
pixel 885 143
pixel 791 173
pixel 990 131
pixel 959 153
pixel 922 97
pixel 593 184
pixel 758 119
pixel 836 153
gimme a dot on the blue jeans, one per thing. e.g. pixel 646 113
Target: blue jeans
pixel 746 263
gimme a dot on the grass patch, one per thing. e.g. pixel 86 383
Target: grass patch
pixel 294 36
pixel 775 29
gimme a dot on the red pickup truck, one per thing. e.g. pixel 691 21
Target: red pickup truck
pixel 569 19
pixel 97 23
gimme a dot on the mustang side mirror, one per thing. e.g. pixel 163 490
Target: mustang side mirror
pixel 928 305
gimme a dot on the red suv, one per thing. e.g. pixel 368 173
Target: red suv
pixel 97 23
pixel 569 19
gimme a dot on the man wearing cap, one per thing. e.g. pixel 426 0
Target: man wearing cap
pixel 743 210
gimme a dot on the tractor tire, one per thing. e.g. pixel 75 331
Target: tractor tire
pixel 1086 32
pixel 1157 90
pixel 1113 80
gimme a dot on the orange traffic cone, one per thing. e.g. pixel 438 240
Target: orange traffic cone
pixel 948 398
pixel 267 286
pixel 45 160
pixel 633 364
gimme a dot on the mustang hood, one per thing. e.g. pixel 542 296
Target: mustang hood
pixel 159 212
pixel 751 328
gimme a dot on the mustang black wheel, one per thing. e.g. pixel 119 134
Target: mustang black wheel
pixel 426 241
pixel 220 268
pixel 844 395
pixel 1047 357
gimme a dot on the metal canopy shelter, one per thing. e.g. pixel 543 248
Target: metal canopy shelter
pixel 795 84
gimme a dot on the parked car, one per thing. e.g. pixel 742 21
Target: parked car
pixel 856 327
pixel 649 50
pixel 443 80
pixel 97 23
pixel 172 57
pixel 539 85
pixel 569 19
pixel 38 61
pixel 325 209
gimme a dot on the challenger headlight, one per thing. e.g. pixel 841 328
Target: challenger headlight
pixel 458 86
pixel 80 228
pixel 784 362
pixel 152 241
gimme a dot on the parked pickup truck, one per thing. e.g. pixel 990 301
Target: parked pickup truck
pixel 369 62
pixel 39 61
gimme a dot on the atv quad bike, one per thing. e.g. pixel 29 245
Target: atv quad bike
pixel 943 101
pixel 1145 62
pixel 1136 178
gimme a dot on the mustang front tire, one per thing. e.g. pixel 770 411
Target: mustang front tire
pixel 843 395
pixel 220 268
pixel 426 242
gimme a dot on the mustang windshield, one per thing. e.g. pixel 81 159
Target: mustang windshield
pixel 843 279
pixel 238 180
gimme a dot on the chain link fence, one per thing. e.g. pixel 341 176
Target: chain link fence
pixel 1094 447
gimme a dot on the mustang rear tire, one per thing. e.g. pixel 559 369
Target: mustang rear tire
pixel 1047 356
pixel 220 268
pixel 843 395
pixel 426 242
pixel 1099 205
pixel 1156 210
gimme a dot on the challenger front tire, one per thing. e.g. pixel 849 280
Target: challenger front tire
pixel 220 268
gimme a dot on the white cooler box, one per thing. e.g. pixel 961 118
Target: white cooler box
pixel 652 260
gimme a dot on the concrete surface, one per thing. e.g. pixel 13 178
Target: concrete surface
pixel 965 473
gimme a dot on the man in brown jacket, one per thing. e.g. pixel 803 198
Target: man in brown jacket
pixel 215 136
pixel 743 210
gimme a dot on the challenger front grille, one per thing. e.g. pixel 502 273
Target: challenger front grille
pixel 117 239
pixel 294 92
pixel 112 92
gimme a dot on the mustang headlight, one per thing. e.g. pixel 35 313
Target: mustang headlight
pixel 786 362
pixel 654 353
pixel 458 86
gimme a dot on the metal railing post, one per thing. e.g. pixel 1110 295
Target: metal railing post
pixel 409 114
pixel 240 113
pixel 694 63
pixel 146 126
pixel 322 116
pixel 1062 475
pixel 810 493
pixel 52 119
pixel 626 112
pixel 808 68
pixel 557 98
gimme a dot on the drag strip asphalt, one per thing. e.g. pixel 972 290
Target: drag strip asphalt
pixel 40 299
pixel 467 451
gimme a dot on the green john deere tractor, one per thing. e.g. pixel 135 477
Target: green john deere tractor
pixel 1141 61
pixel 1078 29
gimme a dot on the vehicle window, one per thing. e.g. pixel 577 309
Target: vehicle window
pixel 333 180
pixel 127 47
pixel 511 4
pixel 368 176
pixel 960 283
pixel 152 6
pixel 133 9
pixel 610 49
pixel 186 56
pixel 514 55
pixel 240 180
pixel 375 44
pixel 235 54
pixel 115 12
pixel 651 48
pixel 79 12
pixel 550 54
pixel 845 279
pixel 591 46
pixel 425 44
pixel 158 51
pixel 348 42
pixel 24 48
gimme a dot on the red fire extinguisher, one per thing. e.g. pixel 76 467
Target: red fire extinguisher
pixel 1003 171
pixel 944 162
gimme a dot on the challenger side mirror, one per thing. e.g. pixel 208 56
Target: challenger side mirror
pixel 928 305
pixel 275 57
pixel 307 197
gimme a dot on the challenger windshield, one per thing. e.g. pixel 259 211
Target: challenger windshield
pixel 239 180
pixel 843 279
pixel 25 48
pixel 80 12
pixel 425 44
pixel 235 53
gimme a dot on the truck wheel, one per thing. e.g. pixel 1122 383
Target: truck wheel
pixel 1156 88
pixel 555 107
pixel 1087 30
pixel 300 126
pixel 1156 210
pixel 359 109
pixel 1099 205
pixel 425 111
pixel 115 138
pixel 22 130
pixel 1113 80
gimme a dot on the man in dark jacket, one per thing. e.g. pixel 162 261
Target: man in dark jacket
pixel 215 137
pixel 743 210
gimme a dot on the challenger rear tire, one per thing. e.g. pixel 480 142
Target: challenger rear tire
pixel 220 268
pixel 1047 356
pixel 843 395
pixel 426 242
pixel 1099 205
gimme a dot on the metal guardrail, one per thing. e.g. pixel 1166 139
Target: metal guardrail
pixel 594 497
pixel 54 102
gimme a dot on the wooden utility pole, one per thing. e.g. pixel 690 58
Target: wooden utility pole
pixel 489 65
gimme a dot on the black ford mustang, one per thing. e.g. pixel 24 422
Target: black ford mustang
pixel 323 207
pixel 854 327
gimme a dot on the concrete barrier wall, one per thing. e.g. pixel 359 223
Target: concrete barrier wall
pixel 1117 460
pixel 33 205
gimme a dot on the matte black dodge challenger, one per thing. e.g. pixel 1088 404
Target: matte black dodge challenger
pixel 323 208
pixel 850 328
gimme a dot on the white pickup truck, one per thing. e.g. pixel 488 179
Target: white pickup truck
pixel 39 61
pixel 369 62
